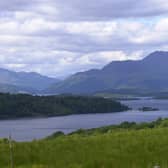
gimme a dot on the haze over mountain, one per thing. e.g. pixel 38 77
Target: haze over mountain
pixel 14 82
pixel 149 74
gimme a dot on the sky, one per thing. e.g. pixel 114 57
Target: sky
pixel 60 37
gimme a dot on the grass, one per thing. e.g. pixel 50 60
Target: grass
pixel 119 149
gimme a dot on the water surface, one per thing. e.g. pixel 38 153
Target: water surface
pixel 29 129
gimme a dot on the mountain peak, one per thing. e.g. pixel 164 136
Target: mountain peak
pixel 148 74
pixel 24 80
pixel 157 56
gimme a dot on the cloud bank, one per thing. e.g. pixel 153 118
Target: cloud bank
pixel 58 37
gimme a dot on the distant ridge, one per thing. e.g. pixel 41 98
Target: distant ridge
pixel 29 82
pixel 150 73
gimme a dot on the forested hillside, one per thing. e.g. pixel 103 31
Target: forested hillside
pixel 16 106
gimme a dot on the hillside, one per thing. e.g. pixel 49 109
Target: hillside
pixel 23 81
pixel 18 106
pixel 7 88
pixel 120 148
pixel 149 74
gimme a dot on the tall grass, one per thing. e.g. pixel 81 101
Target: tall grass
pixel 121 149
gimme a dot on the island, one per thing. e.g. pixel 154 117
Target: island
pixel 148 109
pixel 23 105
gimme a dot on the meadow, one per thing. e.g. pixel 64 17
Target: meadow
pixel 113 148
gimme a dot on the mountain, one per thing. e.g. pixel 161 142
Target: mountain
pixel 11 81
pixel 6 88
pixel 149 74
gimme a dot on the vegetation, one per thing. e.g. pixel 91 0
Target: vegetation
pixel 117 96
pixel 164 97
pixel 14 106
pixel 125 126
pixel 128 146
pixel 148 109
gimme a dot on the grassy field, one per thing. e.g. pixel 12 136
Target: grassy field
pixel 123 148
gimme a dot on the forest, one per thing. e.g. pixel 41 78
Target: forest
pixel 22 105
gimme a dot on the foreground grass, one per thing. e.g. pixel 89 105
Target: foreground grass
pixel 119 149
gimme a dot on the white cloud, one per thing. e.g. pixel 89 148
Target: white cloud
pixel 58 38
pixel 58 63
pixel 155 34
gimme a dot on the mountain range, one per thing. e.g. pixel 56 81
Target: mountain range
pixel 149 74
pixel 21 82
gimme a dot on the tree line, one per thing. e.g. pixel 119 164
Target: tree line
pixel 22 105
